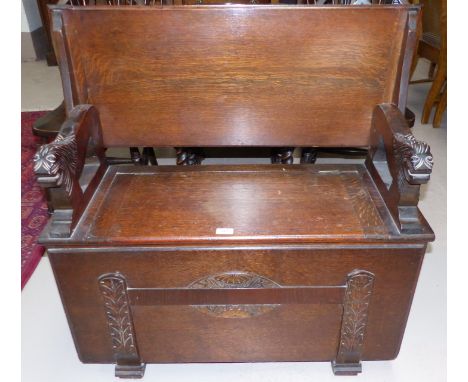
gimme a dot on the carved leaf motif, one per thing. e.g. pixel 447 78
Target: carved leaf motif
pixel 114 292
pixel 234 280
pixel 356 305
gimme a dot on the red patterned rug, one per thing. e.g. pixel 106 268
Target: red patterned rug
pixel 33 204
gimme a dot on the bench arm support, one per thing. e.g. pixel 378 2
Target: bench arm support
pixel 70 167
pixel 399 164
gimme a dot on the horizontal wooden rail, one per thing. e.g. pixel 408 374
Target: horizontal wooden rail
pixel 235 296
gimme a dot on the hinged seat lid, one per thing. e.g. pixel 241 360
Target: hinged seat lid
pixel 235 204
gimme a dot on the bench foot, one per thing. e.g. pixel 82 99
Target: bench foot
pixel 346 368
pixel 130 371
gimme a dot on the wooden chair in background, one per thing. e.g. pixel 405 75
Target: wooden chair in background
pixel 433 47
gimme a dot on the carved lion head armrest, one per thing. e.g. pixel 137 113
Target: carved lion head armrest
pixel 399 164
pixel 55 162
pixel 415 158
pixel 60 164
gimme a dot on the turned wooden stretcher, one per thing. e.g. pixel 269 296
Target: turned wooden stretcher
pixel 229 263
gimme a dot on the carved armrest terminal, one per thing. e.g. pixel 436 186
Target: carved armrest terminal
pixel 70 167
pixel 415 157
pixel 399 164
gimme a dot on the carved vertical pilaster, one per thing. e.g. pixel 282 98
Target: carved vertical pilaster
pixel 113 287
pixel 359 287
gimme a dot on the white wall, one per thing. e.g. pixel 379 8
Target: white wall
pixel 30 17
pixel 24 20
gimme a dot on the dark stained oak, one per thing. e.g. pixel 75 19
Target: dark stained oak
pixel 225 263
pixel 258 204
pixel 291 332
pixel 207 72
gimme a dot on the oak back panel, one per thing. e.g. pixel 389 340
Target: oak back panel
pixel 232 75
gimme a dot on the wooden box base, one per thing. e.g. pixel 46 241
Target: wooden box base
pixel 340 303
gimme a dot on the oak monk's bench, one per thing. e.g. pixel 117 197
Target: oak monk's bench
pixel 226 263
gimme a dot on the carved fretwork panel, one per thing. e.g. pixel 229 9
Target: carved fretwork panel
pixel 234 280
pixel 113 289
pixel 353 327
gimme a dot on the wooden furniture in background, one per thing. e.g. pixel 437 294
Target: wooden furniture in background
pixel 235 263
pixel 433 47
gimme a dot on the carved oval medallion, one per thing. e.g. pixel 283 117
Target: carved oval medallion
pixel 234 279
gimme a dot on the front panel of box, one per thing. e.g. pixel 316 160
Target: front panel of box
pixel 187 305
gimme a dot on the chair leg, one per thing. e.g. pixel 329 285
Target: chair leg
pixel 414 64
pixel 148 156
pixel 187 156
pixel 434 92
pixel 309 155
pixel 432 69
pixel 283 155
pixel 441 107
pixel 353 326
pixel 113 287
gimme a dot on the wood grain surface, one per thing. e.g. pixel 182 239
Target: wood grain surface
pixel 234 75
pixel 253 262
pixel 257 204
pixel 290 332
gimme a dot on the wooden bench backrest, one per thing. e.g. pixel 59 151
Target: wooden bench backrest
pixel 235 75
